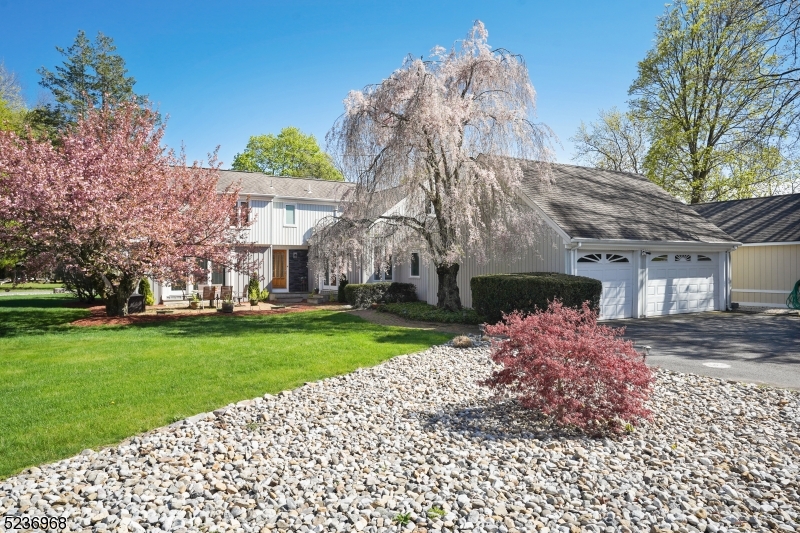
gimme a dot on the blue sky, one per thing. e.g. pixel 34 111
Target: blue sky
pixel 223 71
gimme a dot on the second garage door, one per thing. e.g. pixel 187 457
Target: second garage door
pixel 615 271
pixel 680 283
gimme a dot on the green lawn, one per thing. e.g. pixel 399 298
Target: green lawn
pixel 31 286
pixel 64 389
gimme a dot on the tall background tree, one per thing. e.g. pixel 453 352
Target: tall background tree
pixel 439 135
pixel 12 104
pixel 112 203
pixel 91 75
pixel 616 141
pixel 711 103
pixel 290 153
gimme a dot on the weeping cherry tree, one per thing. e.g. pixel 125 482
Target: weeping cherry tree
pixel 443 138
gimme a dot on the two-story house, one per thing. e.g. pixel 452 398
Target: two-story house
pixel 283 212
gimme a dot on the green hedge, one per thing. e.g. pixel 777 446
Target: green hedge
pixel 495 294
pixel 431 313
pixel 340 295
pixel 365 294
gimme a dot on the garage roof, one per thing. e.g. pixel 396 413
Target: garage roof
pixel 258 183
pixel 602 204
pixel 757 220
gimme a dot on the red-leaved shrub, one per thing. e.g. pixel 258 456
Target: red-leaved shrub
pixel 562 363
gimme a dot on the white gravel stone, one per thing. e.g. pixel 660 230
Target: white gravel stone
pixel 377 449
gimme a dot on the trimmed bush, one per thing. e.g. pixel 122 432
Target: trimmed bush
pixel 365 294
pixel 147 292
pixel 341 296
pixel 431 313
pixel 495 294
pixel 563 364
pixel 253 287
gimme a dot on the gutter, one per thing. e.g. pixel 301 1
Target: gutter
pixel 578 241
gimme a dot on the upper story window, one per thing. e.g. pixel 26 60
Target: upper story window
pixel 388 274
pixel 414 264
pixel 290 219
pixel 244 212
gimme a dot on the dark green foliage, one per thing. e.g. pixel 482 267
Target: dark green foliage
pixel 341 297
pixel 86 288
pixel 495 294
pixel 364 294
pixel 430 313
pixel 91 74
pixel 147 292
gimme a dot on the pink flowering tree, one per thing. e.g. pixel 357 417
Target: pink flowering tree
pixel 562 363
pixel 436 141
pixel 110 201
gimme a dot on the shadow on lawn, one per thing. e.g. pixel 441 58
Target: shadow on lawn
pixel 37 315
pixel 326 323
pixel 506 420
pixel 27 315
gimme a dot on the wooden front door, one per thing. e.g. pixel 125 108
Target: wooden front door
pixel 279 258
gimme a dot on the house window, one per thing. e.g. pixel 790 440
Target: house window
pixel 385 275
pixel 290 215
pixel 244 213
pixel 658 259
pixel 414 265
pixel 616 258
pixel 330 279
pixel 683 257
pixel 703 258
pixel 218 275
pixel 590 258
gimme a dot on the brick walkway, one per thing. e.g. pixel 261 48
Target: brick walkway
pixel 388 319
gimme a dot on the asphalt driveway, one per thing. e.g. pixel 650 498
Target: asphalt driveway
pixel 757 348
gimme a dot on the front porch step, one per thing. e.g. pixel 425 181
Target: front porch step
pixel 289 297
pixel 177 303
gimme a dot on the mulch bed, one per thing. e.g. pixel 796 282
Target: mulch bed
pixel 98 315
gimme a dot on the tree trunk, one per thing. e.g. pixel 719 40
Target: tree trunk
pixel 448 298
pixel 118 293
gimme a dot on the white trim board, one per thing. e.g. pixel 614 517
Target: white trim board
pixel 790 243
pixel 761 290
pixel 762 304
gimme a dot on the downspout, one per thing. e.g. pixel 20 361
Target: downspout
pixel 572 249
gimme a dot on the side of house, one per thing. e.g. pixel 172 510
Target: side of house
pixel 654 255
pixel 767 265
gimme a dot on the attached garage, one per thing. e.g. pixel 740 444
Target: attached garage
pixel 615 271
pixel 680 283
pixel 653 254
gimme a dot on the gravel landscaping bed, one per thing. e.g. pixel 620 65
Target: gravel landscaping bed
pixel 416 440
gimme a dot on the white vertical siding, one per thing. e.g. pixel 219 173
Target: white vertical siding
pixel 306 217
pixel 239 280
pixel 547 256
pixel 259 213
pixel 402 274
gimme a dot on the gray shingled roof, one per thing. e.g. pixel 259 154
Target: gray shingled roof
pixel 592 203
pixel 768 219
pixel 258 183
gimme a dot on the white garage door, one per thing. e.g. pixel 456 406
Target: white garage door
pixel 680 283
pixel 615 270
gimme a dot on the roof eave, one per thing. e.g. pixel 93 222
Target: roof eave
pixel 715 245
